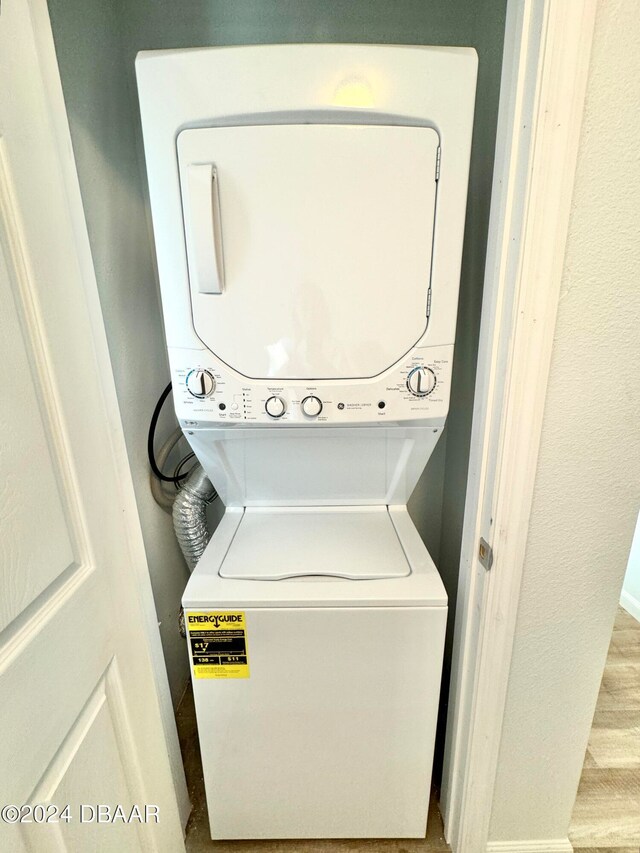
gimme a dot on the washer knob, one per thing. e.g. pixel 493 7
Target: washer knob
pixel 421 381
pixel 275 407
pixel 311 406
pixel 200 383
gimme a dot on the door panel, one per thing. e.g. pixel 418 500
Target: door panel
pixel 28 474
pixel 85 713
pixel 75 777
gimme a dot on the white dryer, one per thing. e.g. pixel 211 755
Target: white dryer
pixel 308 205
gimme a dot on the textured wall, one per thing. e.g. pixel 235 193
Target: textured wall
pixel 587 490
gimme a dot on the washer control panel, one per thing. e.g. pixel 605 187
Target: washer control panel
pixel 207 393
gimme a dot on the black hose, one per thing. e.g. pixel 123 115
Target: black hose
pixel 151 441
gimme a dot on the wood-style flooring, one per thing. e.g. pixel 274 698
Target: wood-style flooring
pixel 606 816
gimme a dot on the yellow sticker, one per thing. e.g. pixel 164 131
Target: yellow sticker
pixel 218 642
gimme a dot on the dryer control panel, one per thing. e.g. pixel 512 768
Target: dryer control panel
pixel 207 392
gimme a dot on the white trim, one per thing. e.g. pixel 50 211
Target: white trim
pixel 546 61
pixel 520 55
pixel 630 604
pixel 548 845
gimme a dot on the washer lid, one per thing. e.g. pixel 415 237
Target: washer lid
pixel 309 246
pixel 357 543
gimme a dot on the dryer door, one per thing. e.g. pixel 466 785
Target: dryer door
pixel 309 246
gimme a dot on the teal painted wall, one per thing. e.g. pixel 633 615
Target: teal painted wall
pixel 97 42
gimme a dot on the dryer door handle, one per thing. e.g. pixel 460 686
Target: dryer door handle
pixel 203 228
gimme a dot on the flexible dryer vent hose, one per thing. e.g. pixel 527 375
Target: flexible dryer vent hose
pixel 189 515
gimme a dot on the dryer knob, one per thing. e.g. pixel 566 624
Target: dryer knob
pixel 421 381
pixel 275 407
pixel 200 383
pixel 311 406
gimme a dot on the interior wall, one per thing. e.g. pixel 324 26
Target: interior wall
pixel 587 488
pixel 103 120
pixel 97 41
pixel 630 598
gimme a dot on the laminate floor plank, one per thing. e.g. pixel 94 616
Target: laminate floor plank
pixel 615 740
pixel 620 688
pixel 625 620
pixel 606 849
pixel 606 816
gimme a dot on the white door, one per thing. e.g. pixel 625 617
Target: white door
pixel 82 695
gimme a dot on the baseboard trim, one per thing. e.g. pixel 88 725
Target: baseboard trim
pixel 630 604
pixel 547 845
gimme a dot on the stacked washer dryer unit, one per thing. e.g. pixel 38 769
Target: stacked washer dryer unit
pixel 308 206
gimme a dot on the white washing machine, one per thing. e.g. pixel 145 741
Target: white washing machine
pixel 308 205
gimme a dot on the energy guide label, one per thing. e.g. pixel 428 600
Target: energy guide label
pixel 218 643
